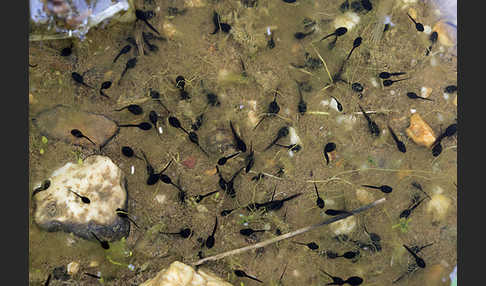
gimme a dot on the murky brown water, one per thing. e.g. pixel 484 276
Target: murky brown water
pixel 359 159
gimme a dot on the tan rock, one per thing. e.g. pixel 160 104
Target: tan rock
pixel 57 122
pixel 73 268
pixel 169 29
pixel 425 91
pixel 420 132
pixel 446 34
pixel 364 196
pixel 344 226
pixel 180 274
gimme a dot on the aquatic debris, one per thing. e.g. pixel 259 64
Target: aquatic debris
pixel 438 206
pixel 402 224
pixel 420 132
pixel 57 208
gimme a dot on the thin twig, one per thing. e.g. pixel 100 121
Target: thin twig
pixel 288 235
pixel 319 55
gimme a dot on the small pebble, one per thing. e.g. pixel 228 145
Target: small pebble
pixel 392 92
pixel 427 29
pixel 433 61
pixel 160 198
pixel 374 82
pixel 446 96
pixel 72 268
pixel 132 170
pixel 189 162
pixel 413 110
pixel 425 91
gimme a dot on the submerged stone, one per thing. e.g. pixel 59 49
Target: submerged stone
pixel 57 122
pixel 420 132
pixel 180 274
pixel 57 208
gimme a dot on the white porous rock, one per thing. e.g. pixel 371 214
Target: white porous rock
pixel 343 226
pixel 348 20
pixel 180 274
pixel 438 206
pixel 98 179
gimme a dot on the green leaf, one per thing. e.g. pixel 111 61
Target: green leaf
pixel 41 151
pixel 44 139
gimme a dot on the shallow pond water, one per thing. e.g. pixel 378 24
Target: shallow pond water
pixel 216 60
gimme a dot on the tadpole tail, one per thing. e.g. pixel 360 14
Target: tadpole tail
pixel 151 27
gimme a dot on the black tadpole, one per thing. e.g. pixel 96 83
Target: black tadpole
pixel 250 231
pixel 302 106
pixel 338 32
pixel 199 198
pixel 389 82
pixel 124 50
pixel 174 122
pixel 210 240
pixel 124 214
pixel 143 15
pixel 131 63
pixel 184 232
pixel 301 35
pixel 45 185
pixel 272 110
pixel 83 198
pixel 223 160
pixel 79 79
pixel 331 146
pixel 282 132
pixel 76 133
pixel 319 201
pixel 240 144
pixel 128 152
pixel 384 188
pixel 250 159
pixel 413 95
pixel 385 75
pixel 105 85
pixel 374 129
pixel 133 108
pixel 420 262
pixel 67 51
pixel 143 126
pixel 418 26
pixel 356 43
pixel 332 212
pixel 241 273
pixel 103 243
pixel 310 245
pixel 400 145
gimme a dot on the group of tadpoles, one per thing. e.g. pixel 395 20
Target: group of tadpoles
pixel 272 111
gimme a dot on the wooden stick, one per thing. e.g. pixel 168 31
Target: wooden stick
pixel 288 235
